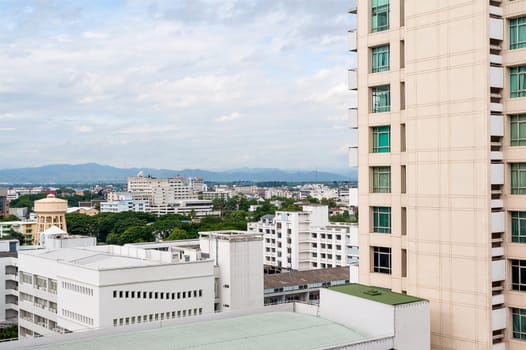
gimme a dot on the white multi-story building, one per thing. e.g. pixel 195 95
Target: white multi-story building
pixel 159 191
pixel 196 185
pixel 124 205
pixel 78 288
pixel 303 240
pixel 8 281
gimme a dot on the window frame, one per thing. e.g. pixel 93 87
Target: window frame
pixel 380 99
pixel 380 8
pixel 381 256
pixel 516 121
pixel 515 25
pixel 518 321
pixel 377 133
pixel 378 214
pixel 518 275
pixel 518 226
pixel 517 74
pixel 381 53
pixel 379 173
pixel 518 171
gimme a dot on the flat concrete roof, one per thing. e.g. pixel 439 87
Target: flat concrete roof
pixel 273 330
pixel 381 295
pixel 296 278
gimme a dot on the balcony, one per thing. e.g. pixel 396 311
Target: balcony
pixel 353 197
pixel 353 79
pixel 353 118
pixel 497 299
pixel 353 156
pixel 496 203
pixel 498 270
pixel 496 107
pixel 497 221
pixel 498 251
pixel 496 28
pixel 496 77
pixel 495 11
pixel 497 174
pixel 495 59
pixel 496 125
pixel 498 319
pixel 352 40
pixel 494 155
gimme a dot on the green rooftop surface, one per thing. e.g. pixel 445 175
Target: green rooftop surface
pixel 274 330
pixel 381 295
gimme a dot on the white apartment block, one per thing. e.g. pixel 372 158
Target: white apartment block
pixel 303 240
pixel 124 205
pixel 441 116
pixel 159 191
pixel 9 281
pixel 89 287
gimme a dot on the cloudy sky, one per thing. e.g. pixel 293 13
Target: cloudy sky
pixel 209 84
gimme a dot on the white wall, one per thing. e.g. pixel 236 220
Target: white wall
pixel 412 326
pixel 367 317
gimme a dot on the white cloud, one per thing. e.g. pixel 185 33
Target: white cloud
pixel 228 118
pixel 222 75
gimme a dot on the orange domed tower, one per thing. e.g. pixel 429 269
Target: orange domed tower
pixel 50 212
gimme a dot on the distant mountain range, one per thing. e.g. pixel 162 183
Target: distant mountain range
pixel 96 173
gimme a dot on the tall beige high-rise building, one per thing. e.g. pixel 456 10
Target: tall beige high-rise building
pixel 441 118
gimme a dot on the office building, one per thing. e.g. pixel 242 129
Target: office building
pixel 441 119
pixel 70 284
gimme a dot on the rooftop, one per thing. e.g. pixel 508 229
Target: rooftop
pixel 295 278
pixel 381 295
pixel 273 330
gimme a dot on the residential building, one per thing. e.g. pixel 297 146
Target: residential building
pixel 26 228
pixel 124 205
pixel 74 285
pixel 351 317
pixel 304 240
pixel 440 113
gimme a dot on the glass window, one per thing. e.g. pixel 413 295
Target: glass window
pixel 382 219
pixel 382 179
pixel 381 99
pixel 518 178
pixel 380 57
pixel 518 226
pixel 519 323
pixel 517 33
pixel 382 260
pixel 518 130
pixel 518 275
pixel 381 139
pixel 518 81
pixel 379 15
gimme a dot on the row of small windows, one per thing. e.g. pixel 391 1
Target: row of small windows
pixel 123 321
pixel 326 246
pixel 328 236
pixel 197 293
pixel 76 288
pixel 77 317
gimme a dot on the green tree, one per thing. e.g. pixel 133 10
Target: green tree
pixel 80 224
pixel 177 234
pixel 9 217
pixel 27 200
pixel 137 234
pixel 9 332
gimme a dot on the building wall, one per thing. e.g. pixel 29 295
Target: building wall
pixel 449 209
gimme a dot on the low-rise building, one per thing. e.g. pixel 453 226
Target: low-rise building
pixel 303 286
pixel 73 285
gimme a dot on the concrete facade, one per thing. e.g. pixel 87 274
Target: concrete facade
pixel 440 159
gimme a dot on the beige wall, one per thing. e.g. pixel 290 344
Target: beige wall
pixel 447 157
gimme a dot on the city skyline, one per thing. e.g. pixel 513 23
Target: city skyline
pixel 175 85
